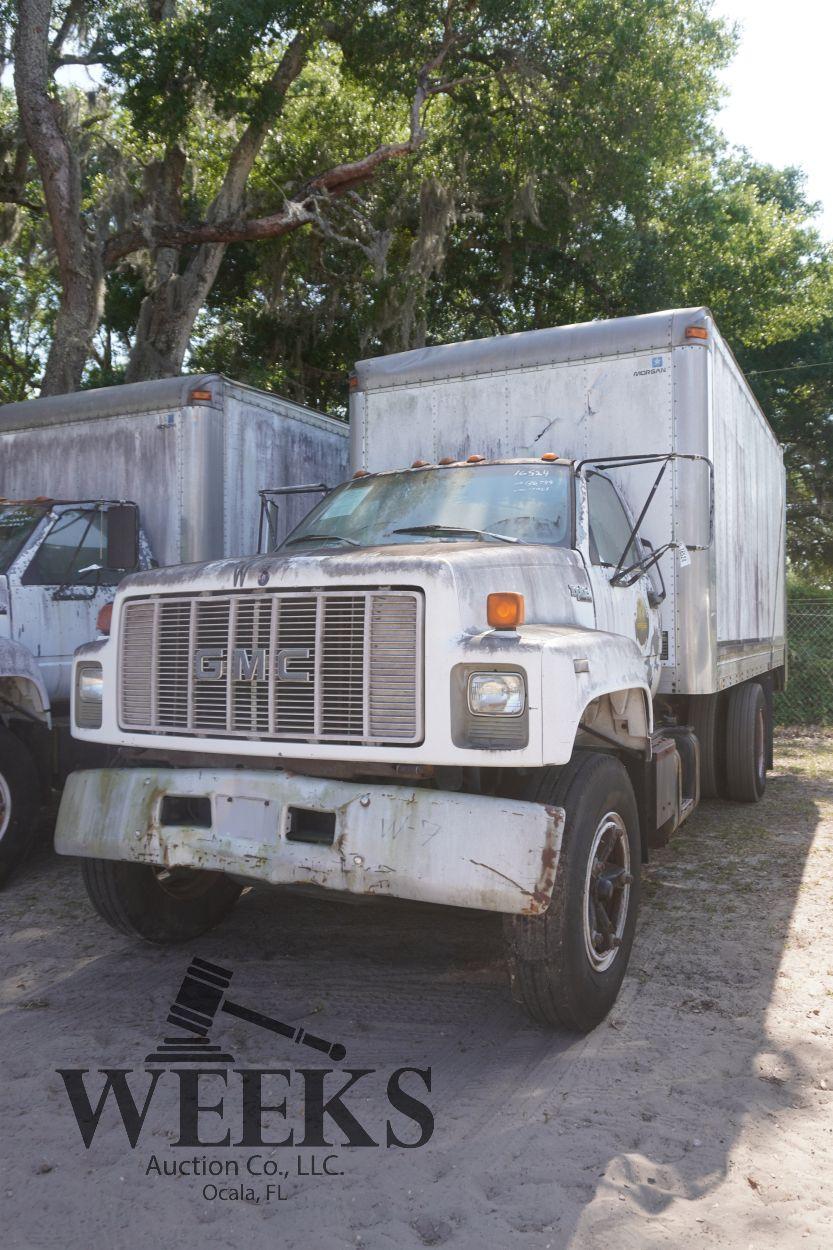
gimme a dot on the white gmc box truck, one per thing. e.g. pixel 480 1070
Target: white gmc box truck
pixel 101 483
pixel 492 670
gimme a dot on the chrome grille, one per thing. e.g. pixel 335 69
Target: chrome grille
pixel 343 666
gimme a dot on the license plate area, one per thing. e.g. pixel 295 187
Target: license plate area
pixel 252 820
pixel 306 824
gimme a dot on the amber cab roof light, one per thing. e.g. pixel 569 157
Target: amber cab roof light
pixel 505 609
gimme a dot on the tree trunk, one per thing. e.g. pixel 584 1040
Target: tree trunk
pixel 79 257
pixel 170 308
pixel 167 317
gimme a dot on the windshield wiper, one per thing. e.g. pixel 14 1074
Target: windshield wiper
pixel 333 538
pixel 453 529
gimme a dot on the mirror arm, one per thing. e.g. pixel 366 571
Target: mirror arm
pixel 641 517
pixel 624 577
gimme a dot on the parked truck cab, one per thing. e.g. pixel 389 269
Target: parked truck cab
pixel 489 678
pixel 59 563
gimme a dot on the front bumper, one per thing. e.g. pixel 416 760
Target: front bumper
pixel 430 845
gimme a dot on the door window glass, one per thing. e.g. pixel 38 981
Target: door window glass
pixel 610 526
pixel 74 552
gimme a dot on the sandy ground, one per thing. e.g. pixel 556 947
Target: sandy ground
pixel 700 1113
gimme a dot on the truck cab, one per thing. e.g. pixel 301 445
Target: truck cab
pixel 60 561
pixel 424 648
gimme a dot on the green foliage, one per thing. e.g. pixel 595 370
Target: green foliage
pixel 572 172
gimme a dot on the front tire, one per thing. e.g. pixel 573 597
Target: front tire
pixel 160 905
pixel 19 802
pixel 566 966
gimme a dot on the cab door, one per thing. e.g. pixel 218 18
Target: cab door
pixel 58 585
pixel 619 609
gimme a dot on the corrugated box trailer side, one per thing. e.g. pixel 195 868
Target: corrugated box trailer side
pixel 634 386
pixel 192 452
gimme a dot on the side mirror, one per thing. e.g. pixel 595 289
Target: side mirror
pixel 123 537
pixel 656 595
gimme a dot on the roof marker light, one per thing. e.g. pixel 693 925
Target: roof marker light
pixel 475 459
pixel 696 332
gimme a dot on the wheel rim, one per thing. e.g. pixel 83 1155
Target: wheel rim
pixel 184 883
pixel 607 891
pixel 5 806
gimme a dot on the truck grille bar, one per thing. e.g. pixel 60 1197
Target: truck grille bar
pixel 340 666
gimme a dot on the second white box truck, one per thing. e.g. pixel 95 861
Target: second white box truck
pixel 101 483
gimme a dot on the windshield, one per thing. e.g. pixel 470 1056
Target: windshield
pixel 528 503
pixel 17 520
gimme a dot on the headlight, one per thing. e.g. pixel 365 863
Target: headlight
pixel 91 683
pixel 496 694
pixel 89 691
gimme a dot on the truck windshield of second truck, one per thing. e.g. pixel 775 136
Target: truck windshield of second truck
pixel 17 520
pixel 495 503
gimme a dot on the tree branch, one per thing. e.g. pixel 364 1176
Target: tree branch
pixel 303 208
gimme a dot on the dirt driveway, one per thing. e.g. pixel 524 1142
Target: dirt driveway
pixel 700 1113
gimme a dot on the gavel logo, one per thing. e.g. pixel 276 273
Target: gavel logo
pixel 201 995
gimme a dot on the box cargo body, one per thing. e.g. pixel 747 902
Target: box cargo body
pixel 194 465
pixel 629 387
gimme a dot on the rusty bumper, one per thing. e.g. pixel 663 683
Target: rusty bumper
pixel 431 845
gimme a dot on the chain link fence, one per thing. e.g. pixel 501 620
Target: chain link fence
pixel 808 699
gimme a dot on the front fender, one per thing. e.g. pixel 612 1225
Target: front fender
pixel 579 667
pixel 21 682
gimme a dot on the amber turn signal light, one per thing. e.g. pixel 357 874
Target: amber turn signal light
pixel 104 619
pixel 505 610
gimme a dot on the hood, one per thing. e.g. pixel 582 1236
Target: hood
pixel 553 580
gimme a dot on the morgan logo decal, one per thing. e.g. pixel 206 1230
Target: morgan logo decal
pixel 211 664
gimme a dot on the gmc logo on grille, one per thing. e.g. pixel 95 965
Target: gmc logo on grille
pixel 249 664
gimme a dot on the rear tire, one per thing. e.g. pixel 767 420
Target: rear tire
pixel 157 904
pixel 567 965
pixel 746 743
pixel 704 716
pixel 19 802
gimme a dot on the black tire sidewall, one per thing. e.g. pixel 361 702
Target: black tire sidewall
pixel 21 778
pixel 551 973
pixel 132 901
pixel 609 790
pixel 746 783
